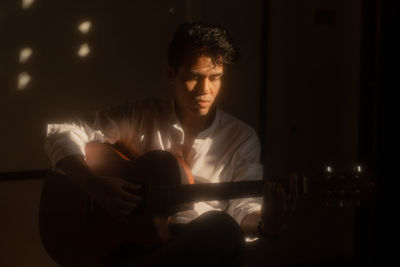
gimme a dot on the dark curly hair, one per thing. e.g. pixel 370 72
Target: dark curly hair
pixel 195 39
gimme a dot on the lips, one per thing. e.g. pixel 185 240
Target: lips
pixel 203 104
pixel 202 101
pixel 201 98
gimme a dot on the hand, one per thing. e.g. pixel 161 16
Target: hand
pixel 115 195
pixel 278 206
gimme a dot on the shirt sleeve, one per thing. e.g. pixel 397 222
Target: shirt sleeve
pixel 248 167
pixel 70 138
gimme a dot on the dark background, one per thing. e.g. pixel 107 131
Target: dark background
pixel 316 79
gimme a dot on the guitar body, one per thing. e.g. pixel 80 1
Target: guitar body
pixel 75 231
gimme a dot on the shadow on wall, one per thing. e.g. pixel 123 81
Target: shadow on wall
pixel 20 243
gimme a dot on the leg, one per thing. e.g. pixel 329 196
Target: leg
pixel 213 239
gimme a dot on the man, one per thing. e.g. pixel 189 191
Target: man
pixel 216 146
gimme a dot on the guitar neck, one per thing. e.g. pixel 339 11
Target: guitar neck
pixel 208 191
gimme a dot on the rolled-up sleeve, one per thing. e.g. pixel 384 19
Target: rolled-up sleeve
pixel 248 167
pixel 70 138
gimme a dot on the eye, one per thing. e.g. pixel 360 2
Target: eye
pixel 215 77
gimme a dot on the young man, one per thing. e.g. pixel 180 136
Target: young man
pixel 216 146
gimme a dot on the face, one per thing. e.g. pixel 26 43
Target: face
pixel 196 85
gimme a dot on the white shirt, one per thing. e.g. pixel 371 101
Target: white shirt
pixel 228 150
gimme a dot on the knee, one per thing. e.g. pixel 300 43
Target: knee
pixel 226 236
pixel 222 225
pixel 216 217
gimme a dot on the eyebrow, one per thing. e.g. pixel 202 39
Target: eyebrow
pixel 217 74
pixel 193 73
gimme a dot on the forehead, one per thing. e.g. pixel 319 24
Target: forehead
pixel 202 64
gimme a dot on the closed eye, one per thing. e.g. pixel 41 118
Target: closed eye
pixel 215 77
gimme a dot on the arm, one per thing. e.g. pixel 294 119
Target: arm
pixel 65 146
pixel 70 138
pixel 246 211
pixel 113 193
pixel 271 221
pixel 267 215
pixel 75 167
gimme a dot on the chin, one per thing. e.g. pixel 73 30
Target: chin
pixel 201 112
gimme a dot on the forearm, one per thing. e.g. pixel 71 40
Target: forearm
pixel 76 168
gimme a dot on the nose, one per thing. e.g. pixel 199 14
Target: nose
pixel 203 86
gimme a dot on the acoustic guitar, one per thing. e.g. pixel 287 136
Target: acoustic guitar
pixel 75 231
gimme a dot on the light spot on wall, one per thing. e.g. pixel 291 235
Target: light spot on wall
pixel 23 80
pixel 358 170
pixel 84 50
pixel 329 169
pixel 25 54
pixel 26 4
pixel 171 10
pixel 85 26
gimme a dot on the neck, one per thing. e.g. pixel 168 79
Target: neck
pixel 193 124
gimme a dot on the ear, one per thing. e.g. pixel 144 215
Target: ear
pixel 171 74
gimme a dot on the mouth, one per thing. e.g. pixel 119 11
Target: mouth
pixel 203 101
pixel 202 104
pixel 203 98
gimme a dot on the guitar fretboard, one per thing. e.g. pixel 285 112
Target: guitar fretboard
pixel 175 194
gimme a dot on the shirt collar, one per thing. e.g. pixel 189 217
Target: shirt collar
pixel 210 130
pixel 203 134
pixel 174 120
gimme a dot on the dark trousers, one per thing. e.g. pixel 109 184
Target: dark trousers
pixel 212 239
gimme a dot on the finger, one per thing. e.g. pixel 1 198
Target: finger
pixel 123 211
pixel 113 211
pixel 128 196
pixel 272 190
pixel 265 194
pixel 293 185
pixel 113 208
pixel 294 181
pixel 126 212
pixel 126 206
pixel 132 192
pixel 282 197
pixel 122 218
pixel 265 188
pixel 131 187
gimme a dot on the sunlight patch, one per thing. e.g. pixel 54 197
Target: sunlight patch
pixel 84 50
pixel 23 80
pixel 85 26
pixel 25 54
pixel 27 3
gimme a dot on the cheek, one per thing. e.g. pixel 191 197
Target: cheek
pixel 216 88
pixel 189 86
pixel 182 90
